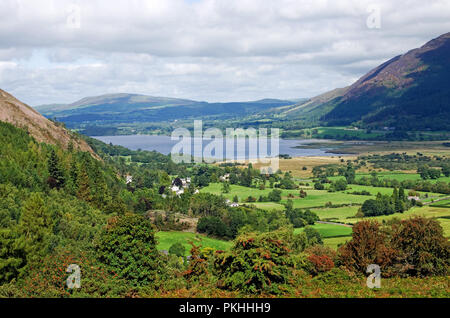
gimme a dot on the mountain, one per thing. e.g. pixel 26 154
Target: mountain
pixel 43 130
pixel 315 107
pixel 132 108
pixel 408 92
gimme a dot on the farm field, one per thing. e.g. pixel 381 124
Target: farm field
pixel 329 230
pixel 426 211
pixel 336 242
pixel 318 198
pixel 314 199
pixel 445 223
pixel 333 214
pixel 242 192
pixel 167 239
pixel 295 165
pixel 441 204
pixel 269 206
pixel 400 176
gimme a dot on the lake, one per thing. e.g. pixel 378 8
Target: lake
pixel 164 145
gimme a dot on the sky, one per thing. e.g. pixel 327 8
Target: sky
pixel 59 51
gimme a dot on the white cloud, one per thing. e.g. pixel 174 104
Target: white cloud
pixel 207 49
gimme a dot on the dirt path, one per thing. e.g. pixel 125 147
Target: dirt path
pixel 437 200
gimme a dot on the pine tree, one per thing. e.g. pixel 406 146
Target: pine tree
pixel 226 187
pixel 84 189
pixel 12 254
pixel 56 178
pixel 35 227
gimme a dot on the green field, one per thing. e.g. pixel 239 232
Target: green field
pixel 426 211
pixel 335 235
pixel 314 199
pixel 269 206
pixel 400 176
pixel 329 230
pixel 441 204
pixel 335 242
pixel 445 223
pixel 333 214
pixel 242 192
pixel 167 239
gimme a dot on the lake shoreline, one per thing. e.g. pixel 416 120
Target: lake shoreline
pixel 165 145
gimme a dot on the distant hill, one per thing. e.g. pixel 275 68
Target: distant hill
pixel 43 130
pixel 408 92
pixel 132 108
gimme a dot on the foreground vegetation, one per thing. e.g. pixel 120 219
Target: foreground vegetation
pixel 133 236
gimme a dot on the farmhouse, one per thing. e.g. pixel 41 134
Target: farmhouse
pixel 179 185
pixel 129 179
pixel 232 204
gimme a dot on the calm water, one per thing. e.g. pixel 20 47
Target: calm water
pixel 164 145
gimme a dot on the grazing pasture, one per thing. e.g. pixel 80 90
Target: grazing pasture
pixel 167 239
pixel 330 230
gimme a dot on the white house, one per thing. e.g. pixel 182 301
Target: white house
pixel 186 182
pixel 232 204
pixel 129 179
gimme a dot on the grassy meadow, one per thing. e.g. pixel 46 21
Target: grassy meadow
pixel 344 209
pixel 167 239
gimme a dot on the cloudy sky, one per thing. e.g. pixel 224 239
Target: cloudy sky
pixel 55 51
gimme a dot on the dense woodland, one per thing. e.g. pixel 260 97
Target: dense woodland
pixel 60 207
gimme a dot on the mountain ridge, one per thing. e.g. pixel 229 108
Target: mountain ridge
pixel 125 108
pixel 23 116
pixel 406 89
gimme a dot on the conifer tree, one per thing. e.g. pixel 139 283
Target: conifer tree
pixel 35 227
pixel 56 178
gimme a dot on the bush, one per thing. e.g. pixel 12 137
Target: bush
pixel 339 185
pixel 177 249
pixel 319 186
pixel 320 259
pixel 257 263
pixel 368 246
pixel 313 236
pixel 128 247
pixel 212 225
pixel 422 247
pixel 275 196
pixel 49 279
pixel 413 247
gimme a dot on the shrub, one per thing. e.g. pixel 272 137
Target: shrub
pixel 319 186
pixel 257 263
pixel 177 249
pixel 368 246
pixel 275 196
pixel 313 236
pixel 321 259
pixel 128 247
pixel 413 247
pixel 423 249
pixel 212 225
pixel 198 264
pixel 49 279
